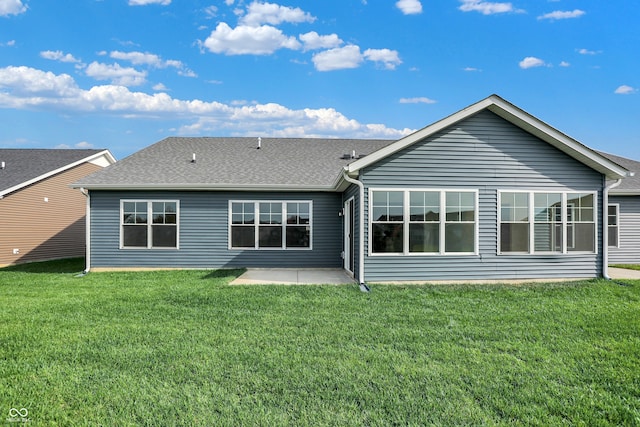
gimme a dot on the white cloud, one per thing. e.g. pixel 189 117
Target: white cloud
pixel 84 144
pixel 159 87
pixel 409 7
pixel 486 8
pixel 588 52
pixel 625 90
pixel 211 11
pixel 471 69
pixel 269 13
pixel 244 40
pixel 146 2
pixel 9 43
pixel 531 62
pixel 58 55
pixel 338 58
pixel 418 100
pixel 11 7
pixel 560 14
pixel 138 58
pixel 29 88
pixel 389 58
pixel 24 82
pixel 152 60
pixel 117 74
pixel 313 41
pixel 565 64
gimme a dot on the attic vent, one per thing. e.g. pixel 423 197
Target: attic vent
pixel 361 156
pixel 350 156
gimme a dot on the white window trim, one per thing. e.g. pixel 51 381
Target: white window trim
pixel 149 225
pixel 256 225
pixel 441 223
pixel 564 222
pixel 617 206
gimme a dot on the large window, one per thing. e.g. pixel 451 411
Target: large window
pixel 149 224
pixel 613 228
pixel 547 222
pixel 270 224
pixel 420 222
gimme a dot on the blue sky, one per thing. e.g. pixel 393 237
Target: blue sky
pixel 123 74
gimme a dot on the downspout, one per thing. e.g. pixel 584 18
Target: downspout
pixel 87 227
pixel 360 227
pixel 605 228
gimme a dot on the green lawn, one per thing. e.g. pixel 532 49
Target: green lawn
pixel 185 348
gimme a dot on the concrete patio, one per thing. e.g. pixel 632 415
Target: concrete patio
pixel 293 276
pixel 337 276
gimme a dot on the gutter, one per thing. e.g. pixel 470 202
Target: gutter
pixel 87 257
pixel 360 228
pixel 605 230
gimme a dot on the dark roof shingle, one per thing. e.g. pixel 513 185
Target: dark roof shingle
pixel 23 165
pixel 285 163
pixel 629 184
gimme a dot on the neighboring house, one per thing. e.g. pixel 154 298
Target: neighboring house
pixel 43 218
pixel 487 193
pixel 624 215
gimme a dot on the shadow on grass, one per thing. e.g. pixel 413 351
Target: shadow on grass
pixel 224 273
pixel 68 265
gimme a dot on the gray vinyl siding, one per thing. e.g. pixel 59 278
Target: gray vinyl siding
pixel 203 235
pixel 488 154
pixel 628 251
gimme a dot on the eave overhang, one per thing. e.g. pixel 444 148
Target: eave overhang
pixel 207 187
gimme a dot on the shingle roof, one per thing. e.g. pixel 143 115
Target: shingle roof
pixel 24 165
pixel 629 185
pixel 226 162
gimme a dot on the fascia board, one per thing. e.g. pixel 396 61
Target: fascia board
pixel 105 153
pixel 617 192
pixel 206 187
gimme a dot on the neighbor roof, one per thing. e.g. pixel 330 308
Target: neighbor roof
pixel 24 167
pixel 629 185
pixel 519 118
pixel 234 163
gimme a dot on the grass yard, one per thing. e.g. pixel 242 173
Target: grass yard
pixel 185 348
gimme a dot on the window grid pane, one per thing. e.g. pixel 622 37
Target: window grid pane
pixel 460 206
pixel 424 206
pixel 280 225
pixel 138 232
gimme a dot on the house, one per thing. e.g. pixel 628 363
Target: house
pixel 43 218
pixel 488 193
pixel 623 216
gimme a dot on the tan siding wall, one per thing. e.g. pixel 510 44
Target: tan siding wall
pixel 43 230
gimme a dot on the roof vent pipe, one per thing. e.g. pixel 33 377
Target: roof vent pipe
pixel 259 142
pixel 193 158
pixel 2 165
pixel 353 154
